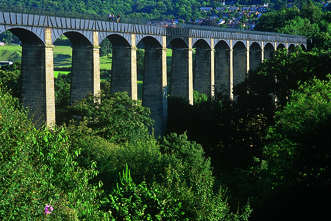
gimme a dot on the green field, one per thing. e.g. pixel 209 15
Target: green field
pixel 62 59
pixel 10 53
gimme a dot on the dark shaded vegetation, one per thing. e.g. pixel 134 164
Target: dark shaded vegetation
pixel 311 20
pixel 271 144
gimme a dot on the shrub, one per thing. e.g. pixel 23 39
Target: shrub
pixel 37 168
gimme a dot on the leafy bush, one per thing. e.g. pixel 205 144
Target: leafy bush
pixel 10 79
pixel 37 168
pixel 116 118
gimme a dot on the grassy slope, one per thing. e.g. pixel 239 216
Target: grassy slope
pixel 10 53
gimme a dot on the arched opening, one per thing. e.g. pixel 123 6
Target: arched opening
pixel 202 79
pixel 239 62
pixel 255 56
pixel 62 58
pixel 37 77
pixel 280 47
pixel 154 90
pixel 123 66
pixel 222 67
pixel 291 48
pixel 269 51
pixel 84 69
pixel 303 47
pixel 181 79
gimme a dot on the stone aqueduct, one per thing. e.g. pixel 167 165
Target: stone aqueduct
pixel 222 57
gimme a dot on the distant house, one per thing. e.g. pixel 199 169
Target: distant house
pixel 253 8
pixel 206 9
pixel 232 8
pixel 213 17
pixel 220 8
pixel 2 43
pixel 245 9
pixel 262 9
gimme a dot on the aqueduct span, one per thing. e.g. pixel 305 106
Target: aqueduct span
pixel 222 57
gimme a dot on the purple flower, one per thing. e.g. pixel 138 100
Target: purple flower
pixel 48 209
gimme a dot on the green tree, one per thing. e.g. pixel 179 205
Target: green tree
pixel 115 117
pixel 296 157
pixel 311 12
pixel 37 167
pixel 105 47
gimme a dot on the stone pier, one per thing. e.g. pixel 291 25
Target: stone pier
pixel 37 82
pixel 202 77
pixel 155 86
pixel 182 73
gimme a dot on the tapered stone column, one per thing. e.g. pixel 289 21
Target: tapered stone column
pixel 124 69
pixel 269 52
pixel 155 86
pixel 85 72
pixel 247 57
pixel 182 73
pixel 231 71
pixel 37 82
pixel 203 67
pixel 222 68
pixel 255 56
pixel 239 63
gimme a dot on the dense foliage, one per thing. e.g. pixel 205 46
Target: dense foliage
pixel 310 20
pixel 151 9
pixel 38 168
pixel 271 143
pixel 103 165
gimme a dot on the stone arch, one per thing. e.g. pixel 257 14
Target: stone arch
pixel 153 38
pixel 85 66
pixel 255 42
pixel 118 40
pixel 239 42
pixel 255 55
pixel 76 38
pixel 26 36
pixel 196 41
pixel 291 47
pixel 222 67
pixel 154 91
pixel 177 43
pixel 269 51
pixel 181 69
pixel 150 42
pixel 124 66
pixel 202 69
pixel 280 46
pixel 239 62
pixel 303 47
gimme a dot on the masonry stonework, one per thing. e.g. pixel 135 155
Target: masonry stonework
pixel 202 75
pixel 222 68
pixel 37 81
pixel 124 71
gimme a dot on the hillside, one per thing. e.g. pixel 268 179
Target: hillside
pixel 147 9
pixel 10 53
